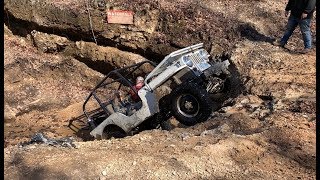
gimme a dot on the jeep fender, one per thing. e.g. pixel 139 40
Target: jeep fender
pixel 127 123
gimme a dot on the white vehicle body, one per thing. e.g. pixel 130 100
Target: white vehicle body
pixel 192 60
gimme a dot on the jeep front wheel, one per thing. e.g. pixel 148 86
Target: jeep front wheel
pixel 191 104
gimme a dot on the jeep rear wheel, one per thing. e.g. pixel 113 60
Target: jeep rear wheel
pixel 113 131
pixel 191 104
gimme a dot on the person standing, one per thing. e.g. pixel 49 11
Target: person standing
pixel 301 13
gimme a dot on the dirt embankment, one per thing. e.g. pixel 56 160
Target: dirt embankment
pixel 52 62
pixel 159 26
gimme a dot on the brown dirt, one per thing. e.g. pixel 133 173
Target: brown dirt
pixel 159 26
pixel 268 132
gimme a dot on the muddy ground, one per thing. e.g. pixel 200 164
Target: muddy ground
pixel 268 131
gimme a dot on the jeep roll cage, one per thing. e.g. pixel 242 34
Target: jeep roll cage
pixel 121 78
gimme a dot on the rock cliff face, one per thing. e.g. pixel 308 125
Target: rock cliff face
pixel 159 26
pixel 83 20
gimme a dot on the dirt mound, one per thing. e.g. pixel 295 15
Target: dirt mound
pixel 38 85
pixel 212 149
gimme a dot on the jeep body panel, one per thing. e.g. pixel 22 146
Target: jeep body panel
pixel 193 57
pixel 127 123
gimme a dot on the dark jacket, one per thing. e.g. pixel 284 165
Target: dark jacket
pixel 297 7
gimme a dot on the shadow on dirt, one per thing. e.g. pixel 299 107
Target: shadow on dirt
pixel 34 173
pixel 249 32
pixel 100 66
pixel 80 127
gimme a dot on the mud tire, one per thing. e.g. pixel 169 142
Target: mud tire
pixel 113 131
pixel 191 104
pixel 165 113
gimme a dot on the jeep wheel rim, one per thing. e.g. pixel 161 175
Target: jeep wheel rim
pixel 188 105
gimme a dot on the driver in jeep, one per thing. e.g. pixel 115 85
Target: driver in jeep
pixel 137 87
pixel 132 102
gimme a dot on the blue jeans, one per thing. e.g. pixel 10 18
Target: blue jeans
pixel 304 24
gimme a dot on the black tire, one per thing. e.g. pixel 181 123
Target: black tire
pixel 113 131
pixel 165 113
pixel 199 105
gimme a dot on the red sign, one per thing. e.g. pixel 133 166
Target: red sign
pixel 120 17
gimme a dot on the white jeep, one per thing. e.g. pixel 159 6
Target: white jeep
pixel 180 85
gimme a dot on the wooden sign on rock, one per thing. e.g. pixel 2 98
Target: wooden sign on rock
pixel 120 17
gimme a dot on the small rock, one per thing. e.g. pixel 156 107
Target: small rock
pixel 48 42
pixel 252 107
pixel 279 105
pixel 208 132
pixel 104 173
pixel 224 128
pixel 102 178
pixel 264 112
pixel 8 124
pixel 245 101
pixel 31 147
pixel 225 109
pixel 7 30
pixel 134 163
pixel 278 162
pixel 76 146
pixel 9 114
pixel 239 106
pixel 185 136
